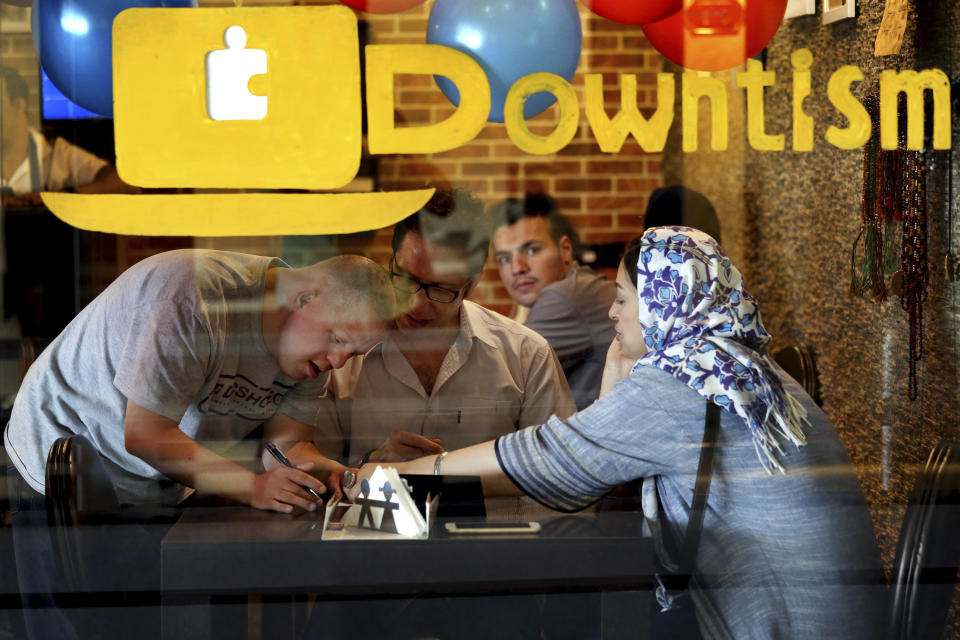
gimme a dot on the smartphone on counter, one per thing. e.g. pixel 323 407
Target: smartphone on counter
pixel 486 528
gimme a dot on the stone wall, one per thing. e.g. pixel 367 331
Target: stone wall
pixel 790 219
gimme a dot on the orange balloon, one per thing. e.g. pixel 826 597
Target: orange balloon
pixel 711 35
pixel 633 11
pixel 382 6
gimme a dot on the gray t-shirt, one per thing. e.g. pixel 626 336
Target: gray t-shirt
pixel 178 334
pixel 781 556
pixel 572 314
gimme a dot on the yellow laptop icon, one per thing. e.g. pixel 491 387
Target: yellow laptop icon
pixel 237 98
pixel 176 65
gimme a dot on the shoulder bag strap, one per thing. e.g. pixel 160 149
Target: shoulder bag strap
pixel 691 541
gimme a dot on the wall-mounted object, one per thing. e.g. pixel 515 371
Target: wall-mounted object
pixel 800 8
pixel 834 10
pixel 892 27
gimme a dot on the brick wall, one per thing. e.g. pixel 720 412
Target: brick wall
pixel 604 195
pixel 16 51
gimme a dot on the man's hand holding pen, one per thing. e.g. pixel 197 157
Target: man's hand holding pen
pixel 283 488
pixel 292 485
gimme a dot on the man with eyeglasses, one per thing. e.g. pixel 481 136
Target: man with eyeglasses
pixel 451 373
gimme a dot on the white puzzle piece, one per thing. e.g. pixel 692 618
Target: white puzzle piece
pixel 228 74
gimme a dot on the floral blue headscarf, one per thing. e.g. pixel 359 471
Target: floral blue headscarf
pixel 701 327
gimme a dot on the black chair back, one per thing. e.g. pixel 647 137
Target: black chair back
pixel 102 549
pixel 928 550
pixel 78 491
pixel 799 362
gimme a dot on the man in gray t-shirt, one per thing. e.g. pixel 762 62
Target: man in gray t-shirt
pixel 185 354
pixel 563 301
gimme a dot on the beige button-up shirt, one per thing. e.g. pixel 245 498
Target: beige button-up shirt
pixel 497 377
pixel 61 165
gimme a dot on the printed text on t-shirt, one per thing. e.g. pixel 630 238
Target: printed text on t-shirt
pixel 235 394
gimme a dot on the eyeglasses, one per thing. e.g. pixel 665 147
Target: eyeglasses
pixel 410 286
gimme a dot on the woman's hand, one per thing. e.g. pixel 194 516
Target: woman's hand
pixel 363 473
pixel 334 480
pixel 616 368
pixel 477 460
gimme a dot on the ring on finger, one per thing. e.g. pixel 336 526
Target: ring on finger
pixel 349 479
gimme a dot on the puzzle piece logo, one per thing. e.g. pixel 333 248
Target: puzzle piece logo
pixel 228 74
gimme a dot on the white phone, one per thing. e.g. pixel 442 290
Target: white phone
pixel 491 527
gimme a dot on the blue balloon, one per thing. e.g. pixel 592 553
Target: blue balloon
pixel 73 39
pixel 510 39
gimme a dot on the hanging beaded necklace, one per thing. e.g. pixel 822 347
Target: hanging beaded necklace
pixel 894 190
pixel 913 256
pixel 882 199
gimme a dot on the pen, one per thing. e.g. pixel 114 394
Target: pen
pixel 282 459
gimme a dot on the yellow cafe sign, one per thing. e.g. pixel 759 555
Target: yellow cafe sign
pixel 269 98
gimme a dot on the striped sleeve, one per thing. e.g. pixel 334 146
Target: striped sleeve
pixel 548 468
pixel 650 424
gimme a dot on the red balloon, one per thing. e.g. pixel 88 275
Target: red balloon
pixel 634 11
pixel 711 35
pixel 382 6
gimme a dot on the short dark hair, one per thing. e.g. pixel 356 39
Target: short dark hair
pixel 452 218
pixel 678 206
pixel 534 205
pixel 16 86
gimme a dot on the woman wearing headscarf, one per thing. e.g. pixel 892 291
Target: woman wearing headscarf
pixel 787 548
